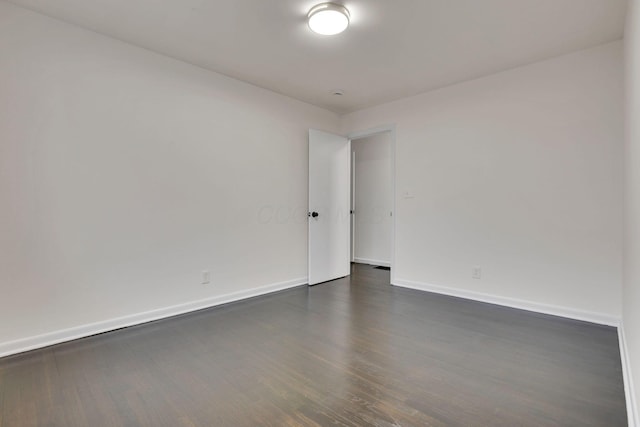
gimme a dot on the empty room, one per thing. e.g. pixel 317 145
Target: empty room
pixel 305 213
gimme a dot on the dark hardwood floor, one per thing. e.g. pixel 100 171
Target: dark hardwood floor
pixel 353 352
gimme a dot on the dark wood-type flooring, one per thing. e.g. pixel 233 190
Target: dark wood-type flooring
pixel 353 352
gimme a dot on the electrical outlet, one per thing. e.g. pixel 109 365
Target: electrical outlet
pixel 476 272
pixel 206 277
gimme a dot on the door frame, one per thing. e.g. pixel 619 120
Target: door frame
pixel 392 132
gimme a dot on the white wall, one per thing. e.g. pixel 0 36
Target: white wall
pixel 373 199
pixel 519 173
pixel 124 174
pixel 631 289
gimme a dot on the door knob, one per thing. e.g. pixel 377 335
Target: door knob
pixel 313 214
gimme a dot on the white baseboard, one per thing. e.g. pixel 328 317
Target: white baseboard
pixel 629 390
pixel 56 337
pixel 599 318
pixel 372 262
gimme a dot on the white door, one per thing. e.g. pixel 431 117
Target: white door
pixel 329 206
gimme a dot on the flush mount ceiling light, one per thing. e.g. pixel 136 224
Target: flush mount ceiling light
pixel 328 18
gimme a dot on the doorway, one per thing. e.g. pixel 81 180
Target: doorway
pixel 338 233
pixel 372 197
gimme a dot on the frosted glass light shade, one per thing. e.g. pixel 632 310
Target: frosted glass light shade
pixel 328 18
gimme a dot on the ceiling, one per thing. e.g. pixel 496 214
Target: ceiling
pixel 393 48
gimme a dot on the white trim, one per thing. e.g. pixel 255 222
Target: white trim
pixel 56 337
pixel 629 390
pixel 571 313
pixel 372 262
pixel 352 217
pixel 373 131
